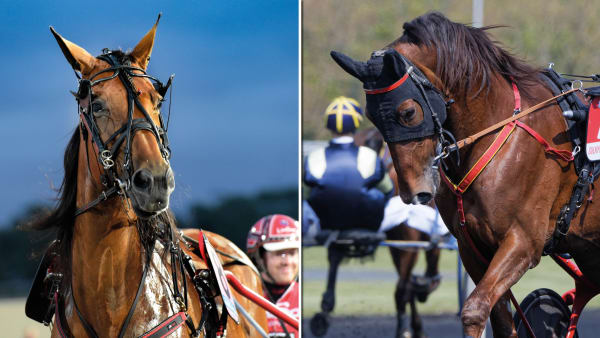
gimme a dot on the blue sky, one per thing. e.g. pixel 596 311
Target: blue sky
pixel 234 122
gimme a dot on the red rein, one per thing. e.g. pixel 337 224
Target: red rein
pixel 260 301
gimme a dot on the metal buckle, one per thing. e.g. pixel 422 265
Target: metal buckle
pixel 576 151
pixel 107 161
pixel 179 301
pixel 580 84
pixel 122 185
pixel 378 53
pixel 445 153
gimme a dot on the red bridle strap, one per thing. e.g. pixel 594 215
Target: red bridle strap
pixel 517 97
pixel 388 88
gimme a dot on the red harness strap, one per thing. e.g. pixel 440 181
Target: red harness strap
pixel 59 327
pixel 167 327
pixel 563 154
pixel 483 161
pixel 517 96
pixel 460 188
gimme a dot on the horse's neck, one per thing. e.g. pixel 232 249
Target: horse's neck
pixel 106 253
pixel 106 268
pixel 473 114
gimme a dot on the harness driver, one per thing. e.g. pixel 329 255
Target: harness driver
pixel 348 185
pixel 273 244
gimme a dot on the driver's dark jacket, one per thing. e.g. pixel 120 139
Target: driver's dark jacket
pixel 343 180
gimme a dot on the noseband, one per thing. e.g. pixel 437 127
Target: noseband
pixel 111 180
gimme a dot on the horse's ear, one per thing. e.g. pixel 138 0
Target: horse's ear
pixel 141 53
pixel 78 57
pixel 355 68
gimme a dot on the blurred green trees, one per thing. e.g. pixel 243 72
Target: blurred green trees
pixel 233 216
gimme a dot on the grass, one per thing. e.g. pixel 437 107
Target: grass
pixel 14 323
pixel 376 296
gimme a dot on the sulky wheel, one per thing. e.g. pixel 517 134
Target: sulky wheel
pixel 547 314
pixel 319 324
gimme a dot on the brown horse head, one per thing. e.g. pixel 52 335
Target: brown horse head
pixel 408 110
pixel 119 108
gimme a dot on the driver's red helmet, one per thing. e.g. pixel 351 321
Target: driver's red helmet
pixel 272 233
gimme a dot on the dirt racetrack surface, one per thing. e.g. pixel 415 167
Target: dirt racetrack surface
pixel 436 326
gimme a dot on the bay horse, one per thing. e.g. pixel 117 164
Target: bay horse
pixel 124 268
pixel 404 260
pixel 441 78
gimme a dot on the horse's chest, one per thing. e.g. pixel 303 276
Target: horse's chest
pixel 156 301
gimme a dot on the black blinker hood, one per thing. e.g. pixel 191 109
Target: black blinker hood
pixel 381 73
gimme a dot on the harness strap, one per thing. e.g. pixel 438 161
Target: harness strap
pixel 88 328
pixel 167 327
pixel 139 290
pixel 485 159
pixel 563 154
pixel 517 98
pixel 59 326
pixel 104 195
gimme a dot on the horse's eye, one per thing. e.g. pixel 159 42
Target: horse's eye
pixel 408 114
pixel 160 104
pixel 98 109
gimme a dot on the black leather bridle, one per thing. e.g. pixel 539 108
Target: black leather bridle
pixel 124 135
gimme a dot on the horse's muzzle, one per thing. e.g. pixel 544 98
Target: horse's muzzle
pixel 150 191
pixel 422 198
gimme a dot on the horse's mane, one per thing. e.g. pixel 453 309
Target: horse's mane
pixel 61 217
pixel 467 56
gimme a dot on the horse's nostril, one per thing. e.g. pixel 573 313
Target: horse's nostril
pixel 142 179
pixel 422 198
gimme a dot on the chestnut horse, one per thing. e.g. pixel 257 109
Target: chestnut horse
pixel 511 208
pixel 404 260
pixel 125 266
